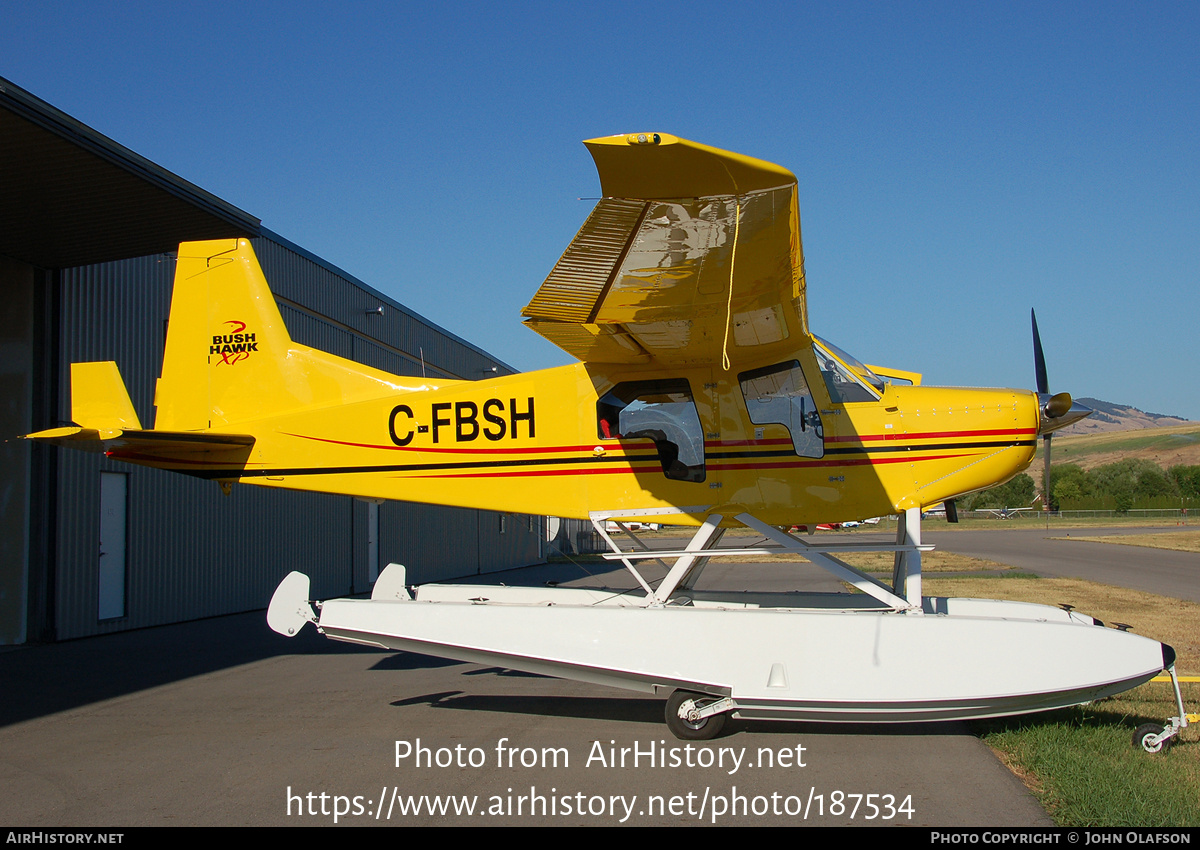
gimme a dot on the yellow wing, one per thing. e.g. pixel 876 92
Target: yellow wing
pixel 692 256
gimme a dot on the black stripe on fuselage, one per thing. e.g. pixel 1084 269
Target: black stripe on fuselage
pixel 860 450
pixel 563 461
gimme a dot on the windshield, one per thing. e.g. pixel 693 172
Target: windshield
pixel 844 385
pixel 854 363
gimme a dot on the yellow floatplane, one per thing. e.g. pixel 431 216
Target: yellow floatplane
pixel 700 398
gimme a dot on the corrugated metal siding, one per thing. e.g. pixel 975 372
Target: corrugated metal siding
pixel 193 552
pixel 404 539
pixel 519 544
pixel 469 543
pixel 576 537
pixel 378 357
pixel 352 305
pixel 118 311
pixel 309 330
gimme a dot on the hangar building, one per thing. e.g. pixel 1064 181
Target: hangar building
pixel 87 234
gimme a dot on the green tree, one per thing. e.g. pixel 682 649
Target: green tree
pixel 1131 479
pixel 1017 492
pixel 1066 490
pixel 1186 480
pixel 1152 483
pixel 1069 478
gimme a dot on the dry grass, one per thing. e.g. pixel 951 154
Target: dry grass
pixel 1081 762
pixel 1164 446
pixel 1029 519
pixel 1171 621
pixel 1034 519
pixel 936 561
pixel 1182 541
pixel 872 562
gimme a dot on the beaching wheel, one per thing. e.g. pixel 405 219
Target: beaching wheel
pixel 1145 734
pixel 678 706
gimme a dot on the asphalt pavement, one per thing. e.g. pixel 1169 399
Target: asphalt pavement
pixel 1052 553
pixel 222 722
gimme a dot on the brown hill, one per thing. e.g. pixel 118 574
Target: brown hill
pixel 1117 417
pixel 1166 447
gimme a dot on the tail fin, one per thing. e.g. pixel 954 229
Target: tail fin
pixel 229 357
pixel 226 343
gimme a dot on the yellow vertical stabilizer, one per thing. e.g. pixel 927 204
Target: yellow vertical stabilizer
pixel 226 342
pixel 229 357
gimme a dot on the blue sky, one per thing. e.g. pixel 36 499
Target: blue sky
pixel 958 163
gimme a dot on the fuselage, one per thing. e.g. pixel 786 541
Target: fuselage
pixel 796 441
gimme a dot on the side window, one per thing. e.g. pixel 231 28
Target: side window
pixel 779 395
pixel 662 411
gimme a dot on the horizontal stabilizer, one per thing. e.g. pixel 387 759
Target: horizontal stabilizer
pixel 169 444
pixel 99 399
pixel 183 451
pixel 73 437
pixel 106 422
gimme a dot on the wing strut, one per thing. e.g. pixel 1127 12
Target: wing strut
pixel 904 595
pixel 839 568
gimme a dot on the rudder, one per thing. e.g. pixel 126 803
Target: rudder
pixel 227 346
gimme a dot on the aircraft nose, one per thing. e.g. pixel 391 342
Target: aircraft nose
pixel 1059 411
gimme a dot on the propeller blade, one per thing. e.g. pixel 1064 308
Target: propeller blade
pixel 1039 358
pixel 1057 411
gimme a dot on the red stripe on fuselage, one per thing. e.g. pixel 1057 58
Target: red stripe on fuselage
pixel 708 444
pixel 932 435
pixel 713 465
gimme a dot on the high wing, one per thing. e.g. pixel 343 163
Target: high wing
pixel 692 257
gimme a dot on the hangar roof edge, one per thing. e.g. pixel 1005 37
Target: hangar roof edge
pixel 70 196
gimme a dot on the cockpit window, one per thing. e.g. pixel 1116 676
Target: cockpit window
pixel 844 385
pixel 662 411
pixel 854 363
pixel 779 395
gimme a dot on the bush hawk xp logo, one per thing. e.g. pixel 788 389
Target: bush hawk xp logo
pixel 232 347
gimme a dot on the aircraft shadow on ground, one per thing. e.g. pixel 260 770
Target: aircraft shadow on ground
pixel 650 710
pixel 45 679
pixel 416 661
pixel 411 661
pixel 582 708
